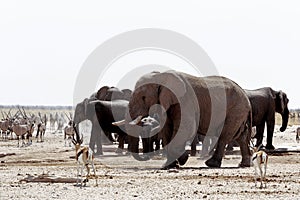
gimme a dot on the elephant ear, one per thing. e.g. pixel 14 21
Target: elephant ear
pixel 172 87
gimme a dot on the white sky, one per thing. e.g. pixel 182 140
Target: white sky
pixel 43 44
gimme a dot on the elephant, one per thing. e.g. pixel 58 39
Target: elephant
pixel 113 93
pixel 188 105
pixel 108 112
pixel 80 115
pixel 101 114
pixel 265 102
pixel 105 93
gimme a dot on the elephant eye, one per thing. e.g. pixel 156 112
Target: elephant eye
pixel 143 98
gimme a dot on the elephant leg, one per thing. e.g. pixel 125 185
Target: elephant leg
pixel 152 145
pixel 96 139
pixel 146 144
pixel 194 145
pixel 216 159
pixel 157 144
pixel 230 146
pixel 270 131
pixel 92 139
pixel 176 148
pixel 167 141
pixel 244 141
pixel 121 141
pixel 259 134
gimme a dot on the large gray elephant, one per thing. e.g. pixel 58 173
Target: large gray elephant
pixel 213 106
pixel 265 102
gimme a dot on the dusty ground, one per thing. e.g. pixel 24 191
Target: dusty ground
pixel 121 177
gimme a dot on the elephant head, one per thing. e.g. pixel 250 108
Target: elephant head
pixel 81 113
pixel 281 103
pixel 150 90
pixel 155 88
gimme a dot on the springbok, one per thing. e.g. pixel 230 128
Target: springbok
pixel 260 161
pixel 298 134
pixel 84 156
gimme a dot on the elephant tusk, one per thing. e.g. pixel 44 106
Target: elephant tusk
pixel 136 120
pixel 119 123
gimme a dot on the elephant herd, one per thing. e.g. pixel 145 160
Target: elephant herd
pixel 185 107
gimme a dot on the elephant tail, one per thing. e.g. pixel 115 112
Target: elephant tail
pixel 245 130
pixel 249 125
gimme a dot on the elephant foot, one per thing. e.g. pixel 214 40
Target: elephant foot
pixel 119 151
pixel 244 164
pixel 270 147
pixel 183 158
pixel 171 166
pixel 246 161
pixel 193 153
pixel 100 153
pixel 229 148
pixel 213 163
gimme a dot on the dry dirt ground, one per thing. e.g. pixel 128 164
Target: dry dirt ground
pixel 121 177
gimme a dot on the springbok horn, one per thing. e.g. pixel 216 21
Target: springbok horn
pixel 136 120
pixel 119 123
pixel 258 148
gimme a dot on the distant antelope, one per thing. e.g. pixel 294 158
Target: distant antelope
pixel 69 131
pixel 52 122
pixel 60 123
pixel 21 129
pixel 41 127
pixel 4 127
pixel 298 134
pixel 84 156
pixel 260 161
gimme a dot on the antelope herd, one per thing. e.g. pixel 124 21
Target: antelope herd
pixel 22 125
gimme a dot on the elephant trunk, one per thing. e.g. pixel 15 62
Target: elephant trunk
pixel 134 149
pixel 285 119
